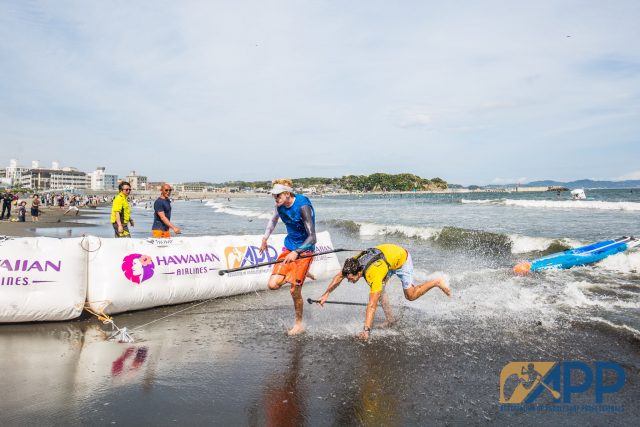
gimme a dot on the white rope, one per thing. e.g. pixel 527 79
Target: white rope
pixel 84 236
pixel 172 314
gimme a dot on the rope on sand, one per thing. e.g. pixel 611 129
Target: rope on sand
pixel 117 334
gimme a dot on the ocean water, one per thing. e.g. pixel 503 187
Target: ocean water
pixel 229 361
pixel 472 239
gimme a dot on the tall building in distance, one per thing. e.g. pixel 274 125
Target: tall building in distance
pixel 102 181
pixel 138 182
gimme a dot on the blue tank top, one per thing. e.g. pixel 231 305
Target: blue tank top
pixel 292 218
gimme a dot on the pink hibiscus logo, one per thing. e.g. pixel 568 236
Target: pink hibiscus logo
pixel 137 267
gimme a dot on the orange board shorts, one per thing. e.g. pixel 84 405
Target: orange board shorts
pixel 294 272
pixel 159 234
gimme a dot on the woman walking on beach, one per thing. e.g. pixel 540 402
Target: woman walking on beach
pixel 298 216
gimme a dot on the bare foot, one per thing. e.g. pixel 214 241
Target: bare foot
pixel 296 330
pixel 444 287
pixel 387 324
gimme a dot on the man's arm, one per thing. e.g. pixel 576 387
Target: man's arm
pixel 271 225
pixel 115 208
pixel 335 282
pixel 165 221
pixel 307 219
pixel 374 297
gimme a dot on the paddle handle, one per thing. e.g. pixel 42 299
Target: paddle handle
pixel 361 304
pixel 248 267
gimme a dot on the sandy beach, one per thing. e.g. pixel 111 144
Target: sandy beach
pixel 229 361
pixel 50 217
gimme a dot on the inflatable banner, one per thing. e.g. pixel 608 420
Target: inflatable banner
pixel 134 274
pixel 42 278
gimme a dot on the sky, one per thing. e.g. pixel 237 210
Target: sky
pixel 473 92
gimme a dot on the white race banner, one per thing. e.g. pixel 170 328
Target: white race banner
pixel 134 274
pixel 42 278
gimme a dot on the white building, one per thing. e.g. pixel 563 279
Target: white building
pixel 44 179
pixel 68 179
pixel 103 181
pixel 14 172
pixel 138 182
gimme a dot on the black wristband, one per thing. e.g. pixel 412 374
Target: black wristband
pixel 366 329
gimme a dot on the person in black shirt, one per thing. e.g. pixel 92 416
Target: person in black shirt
pixel 162 215
pixel 7 199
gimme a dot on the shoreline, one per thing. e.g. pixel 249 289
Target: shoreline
pixel 50 217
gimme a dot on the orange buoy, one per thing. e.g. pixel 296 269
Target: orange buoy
pixel 522 269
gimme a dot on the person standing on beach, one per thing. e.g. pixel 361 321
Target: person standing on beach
pixel 377 265
pixel 7 199
pixel 22 211
pixel 35 208
pixel 162 215
pixel 121 212
pixel 297 213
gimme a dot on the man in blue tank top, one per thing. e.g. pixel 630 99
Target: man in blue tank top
pixel 297 213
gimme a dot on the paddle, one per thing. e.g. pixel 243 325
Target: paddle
pixel 248 267
pixel 311 301
pixel 556 394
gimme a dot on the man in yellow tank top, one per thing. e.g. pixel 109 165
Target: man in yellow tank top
pixel 121 212
pixel 377 265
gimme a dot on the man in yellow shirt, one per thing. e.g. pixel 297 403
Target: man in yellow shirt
pixel 121 212
pixel 377 265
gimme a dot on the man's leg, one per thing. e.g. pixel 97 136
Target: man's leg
pixel 417 291
pixel 388 314
pixel 298 304
pixel 275 282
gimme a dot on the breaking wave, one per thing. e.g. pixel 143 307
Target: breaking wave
pixel 560 204
pixel 624 262
pixel 456 238
pixel 220 207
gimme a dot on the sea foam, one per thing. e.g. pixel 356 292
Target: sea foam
pixel 575 204
pixel 559 204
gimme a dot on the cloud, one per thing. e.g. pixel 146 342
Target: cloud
pixel 629 176
pixel 414 117
pixel 225 88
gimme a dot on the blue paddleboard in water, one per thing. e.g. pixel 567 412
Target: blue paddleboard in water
pixel 578 256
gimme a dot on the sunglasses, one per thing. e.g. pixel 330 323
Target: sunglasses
pixel 167 191
pixel 126 189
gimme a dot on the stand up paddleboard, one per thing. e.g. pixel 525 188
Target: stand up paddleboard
pixel 578 256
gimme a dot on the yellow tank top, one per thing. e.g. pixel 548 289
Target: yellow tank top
pixel 120 204
pixel 377 272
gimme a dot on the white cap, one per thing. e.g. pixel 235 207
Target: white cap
pixel 279 188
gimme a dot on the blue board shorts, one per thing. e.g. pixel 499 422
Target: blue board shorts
pixel 404 273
